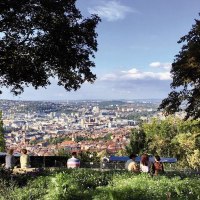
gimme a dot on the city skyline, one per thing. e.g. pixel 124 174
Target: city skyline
pixel 137 44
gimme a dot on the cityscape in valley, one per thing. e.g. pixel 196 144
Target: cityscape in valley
pixel 47 128
pixel 99 100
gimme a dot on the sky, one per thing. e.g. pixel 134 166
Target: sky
pixel 137 42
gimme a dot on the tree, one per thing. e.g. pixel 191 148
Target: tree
pixel 159 134
pixel 193 159
pixel 174 137
pixel 137 141
pixel 2 140
pixel 40 39
pixel 188 147
pixel 63 152
pixel 185 72
pixel 88 157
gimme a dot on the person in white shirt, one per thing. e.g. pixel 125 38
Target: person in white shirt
pixel 73 162
pixel 131 165
pixel 24 159
pixel 145 164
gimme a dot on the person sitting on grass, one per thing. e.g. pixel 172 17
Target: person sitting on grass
pixel 145 164
pixel 73 162
pixel 157 167
pixel 131 165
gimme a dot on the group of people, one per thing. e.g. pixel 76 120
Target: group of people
pixel 145 165
pixel 10 160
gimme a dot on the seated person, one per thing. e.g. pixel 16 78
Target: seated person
pixel 73 162
pixel 10 159
pixel 24 159
pixel 157 167
pixel 131 165
pixel 145 164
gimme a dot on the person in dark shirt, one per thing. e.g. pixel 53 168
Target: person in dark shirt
pixel 157 167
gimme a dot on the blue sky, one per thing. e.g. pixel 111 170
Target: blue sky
pixel 137 42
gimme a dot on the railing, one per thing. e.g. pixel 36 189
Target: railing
pixel 41 161
pixel 60 161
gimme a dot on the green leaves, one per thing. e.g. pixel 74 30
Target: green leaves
pixel 145 187
pixel 89 184
pixel 42 39
pixel 185 73
pixel 137 142
pixel 174 137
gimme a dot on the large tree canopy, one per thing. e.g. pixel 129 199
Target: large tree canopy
pixel 185 72
pixel 40 39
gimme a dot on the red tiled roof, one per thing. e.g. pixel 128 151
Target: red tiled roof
pixel 68 143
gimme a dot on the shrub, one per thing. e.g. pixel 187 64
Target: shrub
pixel 86 184
pixel 35 189
pixel 73 184
pixel 144 187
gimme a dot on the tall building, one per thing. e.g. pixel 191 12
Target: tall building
pixel 82 123
pixel 74 136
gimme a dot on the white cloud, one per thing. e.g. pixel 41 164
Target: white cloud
pixel 137 83
pixel 111 10
pixel 132 71
pixel 166 66
pixel 130 83
pixel 109 77
pixel 135 74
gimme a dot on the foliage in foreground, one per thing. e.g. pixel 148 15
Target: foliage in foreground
pixel 112 185
pixel 144 187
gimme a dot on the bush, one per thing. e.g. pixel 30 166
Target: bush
pixel 76 184
pixel 86 184
pixel 144 187
pixel 35 189
pixel 22 186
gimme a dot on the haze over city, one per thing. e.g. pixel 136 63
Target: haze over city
pixel 137 42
